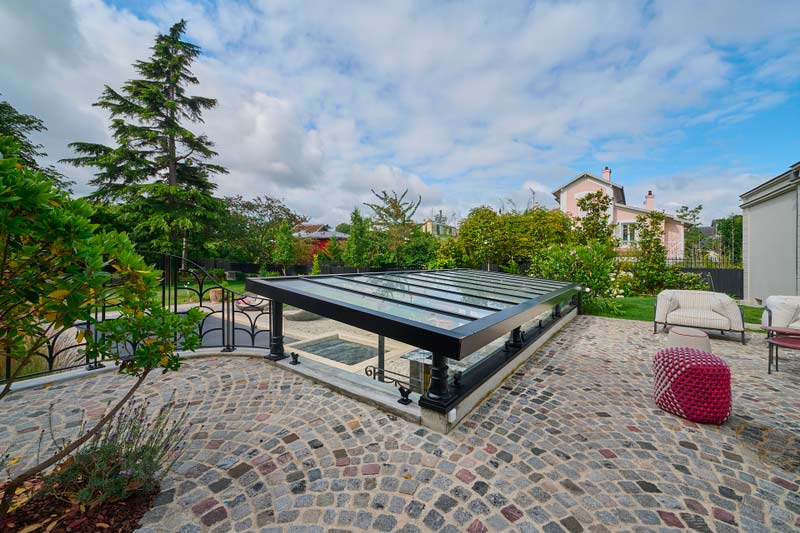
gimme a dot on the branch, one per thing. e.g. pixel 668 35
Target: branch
pixel 18 481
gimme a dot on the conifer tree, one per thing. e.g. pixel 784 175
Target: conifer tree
pixel 19 127
pixel 158 167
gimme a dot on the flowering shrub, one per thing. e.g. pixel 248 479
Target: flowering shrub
pixel 687 280
pixel 622 283
pixel 590 265
pixel 131 455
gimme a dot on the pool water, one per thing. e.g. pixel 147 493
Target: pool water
pixel 340 350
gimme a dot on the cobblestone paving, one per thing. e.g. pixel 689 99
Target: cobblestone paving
pixel 571 442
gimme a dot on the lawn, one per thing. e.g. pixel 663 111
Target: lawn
pixel 185 296
pixel 641 308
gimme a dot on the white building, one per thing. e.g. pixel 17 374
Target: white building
pixel 771 237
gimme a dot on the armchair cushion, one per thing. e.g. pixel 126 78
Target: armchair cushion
pixel 699 309
pixel 785 311
pixel 699 318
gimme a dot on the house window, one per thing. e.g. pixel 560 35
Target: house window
pixel 628 232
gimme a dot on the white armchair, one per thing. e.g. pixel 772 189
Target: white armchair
pixel 781 312
pixel 698 309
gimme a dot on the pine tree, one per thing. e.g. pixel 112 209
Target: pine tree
pixel 19 126
pixel 158 161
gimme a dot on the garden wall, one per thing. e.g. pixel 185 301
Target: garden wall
pixel 727 280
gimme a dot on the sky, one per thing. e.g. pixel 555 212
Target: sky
pixel 462 103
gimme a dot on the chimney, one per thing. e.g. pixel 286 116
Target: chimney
pixel 649 201
pixel 607 174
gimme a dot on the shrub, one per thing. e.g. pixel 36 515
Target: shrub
pixel 132 454
pixel 446 256
pixel 687 281
pixel 623 283
pixel 590 266
pixel 651 272
pixel 315 270
pixel 264 272
pixel 57 267
pixel 217 273
pixel 512 267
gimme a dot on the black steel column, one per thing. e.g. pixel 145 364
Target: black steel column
pixel 438 389
pixel 381 356
pixel 276 331
pixel 516 340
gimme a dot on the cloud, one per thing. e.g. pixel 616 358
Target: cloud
pixel 463 105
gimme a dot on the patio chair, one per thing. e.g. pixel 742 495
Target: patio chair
pixel 698 309
pixel 781 312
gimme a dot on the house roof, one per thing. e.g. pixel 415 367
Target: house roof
pixel 311 228
pixel 317 231
pixel 618 190
pixel 645 211
pixel 771 188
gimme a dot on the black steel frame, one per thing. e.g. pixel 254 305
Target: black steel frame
pixel 456 343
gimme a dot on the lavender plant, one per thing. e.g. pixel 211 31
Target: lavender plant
pixel 130 455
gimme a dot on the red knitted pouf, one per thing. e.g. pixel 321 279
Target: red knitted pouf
pixel 693 384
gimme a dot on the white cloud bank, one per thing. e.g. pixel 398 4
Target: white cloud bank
pixel 464 105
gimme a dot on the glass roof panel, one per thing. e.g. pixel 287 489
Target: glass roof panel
pixel 404 285
pixel 487 288
pixel 404 297
pixel 510 279
pixel 375 304
pixel 434 284
pixel 501 284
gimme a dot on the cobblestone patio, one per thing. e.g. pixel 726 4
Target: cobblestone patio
pixel 571 442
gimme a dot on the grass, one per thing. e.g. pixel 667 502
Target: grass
pixel 641 308
pixel 185 296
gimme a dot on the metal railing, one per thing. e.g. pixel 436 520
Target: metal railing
pixel 232 320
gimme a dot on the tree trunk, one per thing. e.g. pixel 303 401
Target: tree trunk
pixel 18 481
pixel 173 164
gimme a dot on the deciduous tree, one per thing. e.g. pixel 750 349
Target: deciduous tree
pixel 595 220
pixel 692 236
pixel 285 253
pixel 356 247
pixel 56 268
pixel 393 216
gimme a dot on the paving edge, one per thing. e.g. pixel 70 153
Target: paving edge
pixel 376 394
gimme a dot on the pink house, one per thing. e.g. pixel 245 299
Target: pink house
pixel 623 216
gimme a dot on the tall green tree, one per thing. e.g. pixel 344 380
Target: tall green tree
pixel 479 237
pixel 356 247
pixel 595 221
pixel 285 253
pixel 729 231
pixel 650 268
pixel 692 236
pixel 154 147
pixel 393 216
pixel 248 229
pixel 19 127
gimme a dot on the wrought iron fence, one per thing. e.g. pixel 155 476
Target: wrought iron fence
pixel 231 320
pixel 702 262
